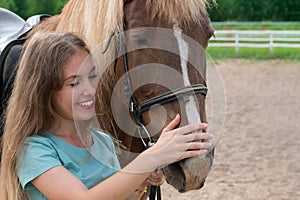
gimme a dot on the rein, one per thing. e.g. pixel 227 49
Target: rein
pixel 137 108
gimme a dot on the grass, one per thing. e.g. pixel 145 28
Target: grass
pixel 221 53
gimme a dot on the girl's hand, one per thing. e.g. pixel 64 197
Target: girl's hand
pixel 180 143
pixel 156 178
pixel 174 144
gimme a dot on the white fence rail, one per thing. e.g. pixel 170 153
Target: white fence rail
pixel 256 39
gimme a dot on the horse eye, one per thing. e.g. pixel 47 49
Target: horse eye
pixel 127 1
pixel 142 41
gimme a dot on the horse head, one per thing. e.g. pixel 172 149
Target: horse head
pixel 162 66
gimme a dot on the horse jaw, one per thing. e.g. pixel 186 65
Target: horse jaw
pixel 189 174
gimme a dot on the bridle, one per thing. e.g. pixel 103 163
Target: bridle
pixel 137 109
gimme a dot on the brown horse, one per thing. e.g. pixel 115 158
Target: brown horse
pixel 186 25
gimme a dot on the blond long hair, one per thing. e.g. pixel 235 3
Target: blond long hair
pixel 30 110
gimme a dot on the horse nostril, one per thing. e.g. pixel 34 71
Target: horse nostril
pixel 172 115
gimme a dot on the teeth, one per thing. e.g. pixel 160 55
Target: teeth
pixel 87 103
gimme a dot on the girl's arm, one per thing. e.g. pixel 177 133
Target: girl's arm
pixel 58 183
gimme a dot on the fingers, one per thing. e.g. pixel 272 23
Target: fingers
pixel 198 145
pixel 172 124
pixel 193 148
pixel 198 136
pixel 191 128
pixel 195 153
pixel 156 178
pixel 175 144
pixel 184 129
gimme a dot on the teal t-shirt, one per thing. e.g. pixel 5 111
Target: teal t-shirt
pixel 46 151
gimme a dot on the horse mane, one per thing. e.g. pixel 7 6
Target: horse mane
pixel 83 17
pixel 179 11
pixel 94 20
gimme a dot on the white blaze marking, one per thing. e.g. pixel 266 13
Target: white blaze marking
pixel 190 105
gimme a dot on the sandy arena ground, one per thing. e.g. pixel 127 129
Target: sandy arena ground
pixel 258 154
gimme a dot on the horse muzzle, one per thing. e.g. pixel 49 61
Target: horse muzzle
pixel 189 174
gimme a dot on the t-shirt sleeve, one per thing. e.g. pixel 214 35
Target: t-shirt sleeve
pixel 105 150
pixel 113 150
pixel 36 157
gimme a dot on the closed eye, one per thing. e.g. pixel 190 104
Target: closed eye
pixel 74 84
pixel 92 73
pixel 93 76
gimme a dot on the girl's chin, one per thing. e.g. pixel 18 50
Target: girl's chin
pixel 83 117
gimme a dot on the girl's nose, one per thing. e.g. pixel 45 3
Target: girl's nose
pixel 90 89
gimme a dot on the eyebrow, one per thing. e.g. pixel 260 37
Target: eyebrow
pixel 78 76
pixel 72 77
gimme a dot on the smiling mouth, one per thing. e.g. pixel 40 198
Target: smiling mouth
pixel 87 103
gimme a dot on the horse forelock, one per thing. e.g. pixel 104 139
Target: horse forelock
pixel 179 11
pixel 94 20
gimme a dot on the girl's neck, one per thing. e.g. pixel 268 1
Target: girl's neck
pixel 67 132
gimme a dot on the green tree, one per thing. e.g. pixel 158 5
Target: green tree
pixel 293 7
pixel 40 7
pixel 16 6
pixel 256 10
pixel 44 6
pixel 27 8
pixel 246 10
pixel 275 10
pixel 220 12
pixel 253 10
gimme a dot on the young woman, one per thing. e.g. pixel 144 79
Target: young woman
pixel 51 149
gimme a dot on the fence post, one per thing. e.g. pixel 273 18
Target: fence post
pixel 236 42
pixel 271 42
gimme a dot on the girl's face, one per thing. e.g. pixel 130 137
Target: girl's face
pixel 75 101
